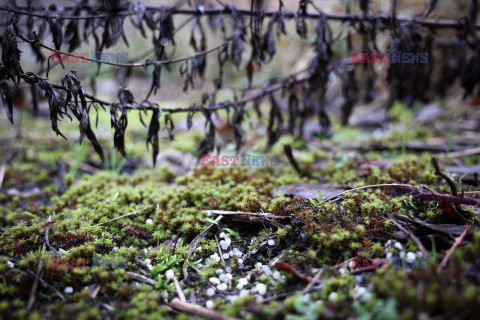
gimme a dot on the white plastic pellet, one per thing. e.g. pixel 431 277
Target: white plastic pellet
pixel 359 292
pixel 170 274
pixel 332 297
pixel 267 270
pixel 261 288
pixel 410 257
pixel 244 292
pixel 271 242
pixel 277 275
pixel 222 287
pixel 149 221
pixel 209 304
pixel 68 290
pixel 210 292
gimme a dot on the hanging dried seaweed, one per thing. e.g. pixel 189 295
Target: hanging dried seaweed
pixel 48 29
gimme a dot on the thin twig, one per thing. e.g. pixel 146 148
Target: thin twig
pixel 195 242
pixel 414 238
pixel 3 166
pixel 451 184
pixel 416 192
pixel 179 289
pixel 264 215
pixel 220 251
pixel 461 153
pixel 458 241
pixel 33 291
pixel 312 283
pixel 447 179
pixel 126 215
pixel 139 277
pixel 197 310
pixel 46 285
pixel 362 188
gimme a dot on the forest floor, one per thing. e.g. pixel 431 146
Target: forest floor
pixel 130 241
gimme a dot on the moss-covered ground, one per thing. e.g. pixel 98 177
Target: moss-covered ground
pixel 57 221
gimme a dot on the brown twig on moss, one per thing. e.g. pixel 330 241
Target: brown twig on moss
pixel 450 183
pixel 46 285
pixel 195 242
pixel 126 215
pixel 220 251
pixel 458 241
pixel 414 238
pixel 33 291
pixel 290 269
pixel 199 311
pixel 418 193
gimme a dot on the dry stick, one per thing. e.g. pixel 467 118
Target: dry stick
pixel 451 184
pixel 458 241
pixel 46 285
pixel 220 251
pixel 3 167
pixel 365 187
pixel 33 291
pixel 227 214
pixel 139 277
pixel 126 215
pixel 32 298
pixel 179 289
pixel 2 173
pixel 96 291
pixel 199 310
pixel 461 153
pixel 52 249
pixel 417 241
pixel 447 179
pixel 418 193
pixel 311 283
pixel 194 244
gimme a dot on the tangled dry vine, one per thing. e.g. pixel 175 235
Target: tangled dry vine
pixel 104 22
